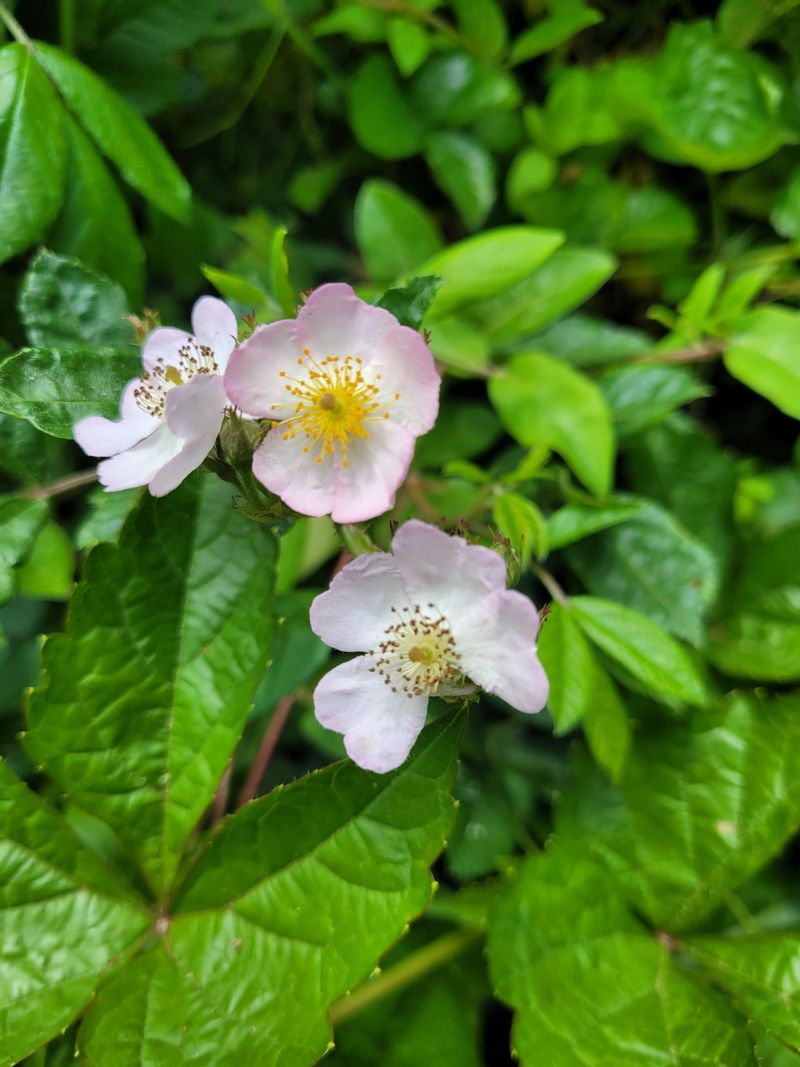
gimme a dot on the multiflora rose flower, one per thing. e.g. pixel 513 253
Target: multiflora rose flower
pixel 170 417
pixel 348 390
pixel 430 614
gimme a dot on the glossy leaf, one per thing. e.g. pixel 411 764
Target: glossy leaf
pixel 643 395
pixel 465 172
pixel 380 115
pixel 394 231
pixel 576 521
pixel 762 353
pixel 564 22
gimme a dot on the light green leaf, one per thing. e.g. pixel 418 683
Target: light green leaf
pixel 20 521
pixel 643 395
pixel 696 307
pixel 119 132
pixel 64 921
pixel 395 233
pixel 465 172
pixel 530 172
pixel 576 521
pixel 63 302
pixel 564 282
pixel 483 23
pixel 55 387
pixel 381 118
pixel 762 353
pixel 741 21
pixel 641 647
pixel 33 151
pixel 304 549
pixel 522 523
pixel 292 905
pixel 234 287
pixel 152 682
pixel 569 664
pixel 106 516
pixel 489 263
pixel 565 21
pixel 542 401
pixel 48 571
pixel 606 724
pixel 460 346
pixel 409 43
pixel 584 341
pixel 653 565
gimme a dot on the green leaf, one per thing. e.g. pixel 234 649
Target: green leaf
pixel 741 21
pixel 483 23
pixel 394 231
pixel 576 521
pixel 279 274
pixel 489 263
pixel 33 151
pixel 641 647
pixel 380 115
pixel 584 341
pixel 463 430
pixel 590 985
pixel 144 697
pixel 563 283
pixel 544 402
pixel 762 353
pixel 465 172
pixel 64 921
pixel 48 571
pixel 523 524
pixel 531 171
pixel 297 653
pixel 606 725
pixel 235 287
pixel 456 89
pixel 643 395
pixel 569 664
pixel 62 302
pixel 304 549
pixel 55 387
pixel 409 43
pixel 410 303
pixel 679 839
pixel 460 346
pixel 653 565
pixel 106 516
pixel 294 902
pixel 20 521
pixel 119 132
pixel 95 223
pixel 553 30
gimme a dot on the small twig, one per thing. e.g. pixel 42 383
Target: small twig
pixel 550 584
pixel 14 27
pixel 345 557
pixel 62 485
pixel 690 354
pixel 265 750
pixel 409 11
pixel 221 797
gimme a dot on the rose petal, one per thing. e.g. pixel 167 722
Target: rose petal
pixel 335 322
pixel 376 468
pixel 445 570
pixel 141 463
pixel 215 325
pixel 379 726
pixel 354 613
pixel 194 413
pixel 496 643
pixel 164 343
pixel 104 437
pixel 409 382
pixel 253 377
pixel 285 469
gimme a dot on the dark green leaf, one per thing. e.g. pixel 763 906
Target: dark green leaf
pixel 465 172
pixel 463 430
pixel 583 341
pixel 410 303
pixel 20 521
pixel 576 521
pixel 454 89
pixel 381 118
pixel 48 571
pixel 394 231
pixel 565 21
pixel 641 396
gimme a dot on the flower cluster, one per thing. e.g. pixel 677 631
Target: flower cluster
pixel 344 391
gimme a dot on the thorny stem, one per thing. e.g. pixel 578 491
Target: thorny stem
pixel 268 743
pixel 404 973
pixel 550 584
pixel 62 485
pixel 14 27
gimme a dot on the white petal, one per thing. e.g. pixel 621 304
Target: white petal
pixel 496 642
pixel 444 569
pixel 164 343
pixel 335 322
pixel 354 613
pixel 294 475
pixel 194 413
pixel 141 463
pixel 215 325
pixel 409 383
pixel 253 377
pixel 104 437
pixel 379 726
pixel 376 468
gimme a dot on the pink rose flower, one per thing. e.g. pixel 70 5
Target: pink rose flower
pixel 170 417
pixel 430 614
pixel 348 390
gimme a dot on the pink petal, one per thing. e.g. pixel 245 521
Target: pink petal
pixel 444 569
pixel 164 343
pixel 376 468
pixel 379 726
pixel 194 413
pixel 335 322
pixel 285 469
pixel 354 613
pixel 253 377
pixel 409 381
pixel 140 464
pixel 104 437
pixel 215 325
pixel 496 641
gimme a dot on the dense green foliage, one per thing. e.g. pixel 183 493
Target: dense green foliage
pixel 593 210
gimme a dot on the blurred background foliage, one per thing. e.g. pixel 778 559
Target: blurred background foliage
pixel 611 195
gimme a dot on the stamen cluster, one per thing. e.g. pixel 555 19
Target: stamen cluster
pixel 193 359
pixel 418 653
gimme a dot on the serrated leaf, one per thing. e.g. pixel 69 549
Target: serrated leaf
pixel 119 132
pixel 641 647
pixel 55 387
pixel 64 921
pixel 394 232
pixel 293 903
pixel 33 151
pixel 542 401
pixel 63 302
pixel 154 677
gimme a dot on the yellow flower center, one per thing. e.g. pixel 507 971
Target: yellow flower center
pixel 418 653
pixel 193 359
pixel 331 402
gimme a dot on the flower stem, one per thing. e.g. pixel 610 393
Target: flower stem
pixel 404 973
pixel 66 25
pixel 550 584
pixel 14 27
pixel 268 744
pixel 62 485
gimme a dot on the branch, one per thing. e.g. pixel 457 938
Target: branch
pixel 266 748
pixel 62 485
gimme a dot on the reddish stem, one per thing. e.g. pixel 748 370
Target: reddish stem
pixel 265 750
